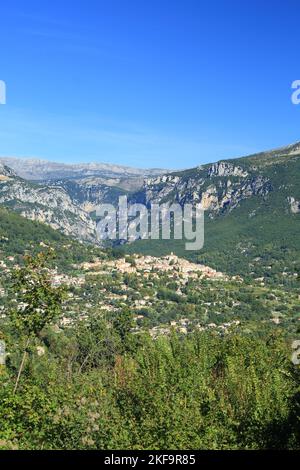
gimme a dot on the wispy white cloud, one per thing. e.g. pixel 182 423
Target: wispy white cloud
pixel 86 138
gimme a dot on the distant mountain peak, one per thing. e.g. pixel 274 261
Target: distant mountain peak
pixel 41 170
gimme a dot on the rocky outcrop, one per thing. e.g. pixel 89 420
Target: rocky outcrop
pixel 217 187
pixel 89 193
pixel 47 204
pixel 6 172
pixel 226 169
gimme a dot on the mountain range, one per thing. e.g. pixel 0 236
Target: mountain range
pixel 252 204
pixel 43 170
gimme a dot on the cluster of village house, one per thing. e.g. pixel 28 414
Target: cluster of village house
pixel 171 265
pixel 184 325
pixel 144 265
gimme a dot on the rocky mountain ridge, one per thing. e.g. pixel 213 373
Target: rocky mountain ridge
pixel 217 187
pixel 42 170
pixel 67 204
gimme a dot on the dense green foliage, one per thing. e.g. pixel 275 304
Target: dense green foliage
pixel 41 301
pixel 95 385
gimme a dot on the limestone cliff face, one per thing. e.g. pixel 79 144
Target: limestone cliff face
pixel 217 187
pixel 225 169
pixel 6 172
pixel 50 205
pixel 89 193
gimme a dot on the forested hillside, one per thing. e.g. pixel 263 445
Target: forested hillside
pixel 98 383
pixel 19 236
pixel 247 233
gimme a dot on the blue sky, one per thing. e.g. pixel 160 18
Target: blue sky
pixel 148 83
